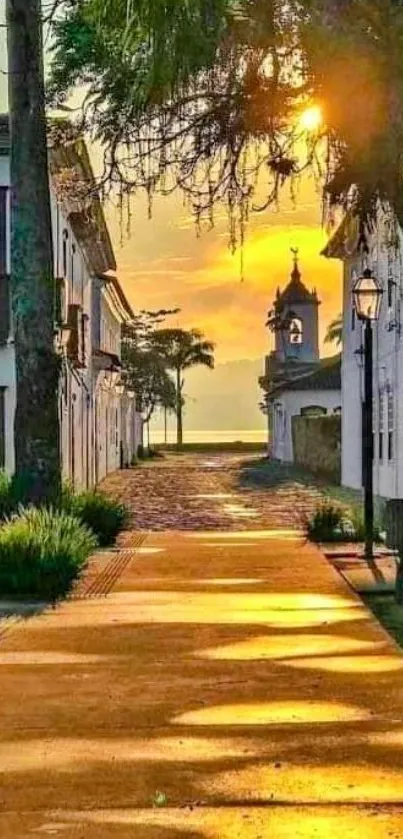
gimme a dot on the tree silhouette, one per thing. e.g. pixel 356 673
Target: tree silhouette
pixel 181 350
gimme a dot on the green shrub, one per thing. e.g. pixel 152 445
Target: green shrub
pixel 332 522
pixel 326 523
pixel 358 522
pixel 103 515
pixel 42 552
pixel 6 500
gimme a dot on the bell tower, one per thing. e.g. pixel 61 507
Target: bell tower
pixel 295 320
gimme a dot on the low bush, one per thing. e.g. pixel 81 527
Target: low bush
pixel 6 499
pixel 103 515
pixel 42 552
pixel 332 522
pixel 326 524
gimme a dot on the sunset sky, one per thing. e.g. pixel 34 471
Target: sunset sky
pixel 164 264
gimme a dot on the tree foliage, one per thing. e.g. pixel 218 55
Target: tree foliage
pixel 354 50
pixel 205 94
pixel 334 332
pixel 181 350
pixel 145 368
pixel 210 115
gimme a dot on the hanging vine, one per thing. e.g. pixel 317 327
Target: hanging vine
pixel 205 95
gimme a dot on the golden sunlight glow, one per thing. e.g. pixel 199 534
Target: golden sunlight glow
pixel 273 713
pixel 207 823
pixel 311 119
pixel 287 649
pixel 349 663
pixel 301 781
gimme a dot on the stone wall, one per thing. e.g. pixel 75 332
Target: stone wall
pixel 317 445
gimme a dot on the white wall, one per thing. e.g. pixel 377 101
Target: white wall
pixel 388 369
pixel 290 404
pixel 7 380
pixel 352 384
pixel 88 450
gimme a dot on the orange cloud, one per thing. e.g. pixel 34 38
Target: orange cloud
pixel 164 264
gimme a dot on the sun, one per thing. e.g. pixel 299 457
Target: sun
pixel 311 118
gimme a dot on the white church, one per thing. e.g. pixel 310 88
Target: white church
pixel 297 382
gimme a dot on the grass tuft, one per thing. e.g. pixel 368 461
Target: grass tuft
pixel 102 514
pixel 42 552
pixel 333 522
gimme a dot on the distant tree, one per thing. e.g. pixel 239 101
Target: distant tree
pixel 181 350
pixel 145 369
pixel 145 372
pixel 334 332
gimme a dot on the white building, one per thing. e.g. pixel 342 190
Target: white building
pixel 90 309
pixel 311 394
pixel 381 249
pixel 296 381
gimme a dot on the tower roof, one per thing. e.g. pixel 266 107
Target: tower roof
pixel 296 291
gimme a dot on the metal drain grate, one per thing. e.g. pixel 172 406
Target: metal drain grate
pixel 104 582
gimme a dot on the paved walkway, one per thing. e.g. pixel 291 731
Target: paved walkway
pixel 230 686
pixel 193 492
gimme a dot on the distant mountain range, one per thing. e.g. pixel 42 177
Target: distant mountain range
pixel 224 399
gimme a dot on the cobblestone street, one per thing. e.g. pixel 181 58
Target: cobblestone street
pixel 212 492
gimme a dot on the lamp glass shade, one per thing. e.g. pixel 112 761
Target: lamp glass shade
pixel 367 295
pixel 131 394
pixel 114 377
pixel 120 389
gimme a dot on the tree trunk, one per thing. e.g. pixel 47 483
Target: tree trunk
pixel 36 425
pixel 179 414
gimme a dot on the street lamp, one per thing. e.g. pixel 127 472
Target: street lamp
pixel 367 296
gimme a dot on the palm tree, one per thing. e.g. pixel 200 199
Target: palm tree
pixel 182 349
pixel 334 333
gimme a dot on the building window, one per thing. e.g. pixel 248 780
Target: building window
pixel 296 331
pixel 381 424
pixel 64 251
pixel 73 253
pixel 390 293
pixel 3 230
pixel 391 282
pixel 103 334
pixel 391 424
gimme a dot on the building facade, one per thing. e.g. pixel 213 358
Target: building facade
pixel 296 381
pixel 381 249
pixel 90 309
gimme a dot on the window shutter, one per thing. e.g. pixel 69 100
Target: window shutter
pixel 73 344
pixel 3 230
pixel 5 320
pixel 5 309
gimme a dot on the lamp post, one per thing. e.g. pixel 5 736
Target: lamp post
pixel 367 296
